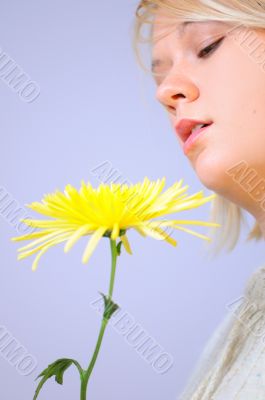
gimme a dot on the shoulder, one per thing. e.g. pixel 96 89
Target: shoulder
pixel 252 301
pixel 251 310
pixel 255 288
pixel 233 361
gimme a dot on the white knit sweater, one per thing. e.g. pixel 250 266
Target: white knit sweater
pixel 232 365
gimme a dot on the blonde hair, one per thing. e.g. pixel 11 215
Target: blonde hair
pixel 249 13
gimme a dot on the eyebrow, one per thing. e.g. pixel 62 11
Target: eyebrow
pixel 156 62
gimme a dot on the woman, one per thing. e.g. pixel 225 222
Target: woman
pixel 208 63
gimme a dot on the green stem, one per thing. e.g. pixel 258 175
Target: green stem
pixel 113 248
pixel 86 373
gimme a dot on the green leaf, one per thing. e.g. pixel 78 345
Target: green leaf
pixel 57 369
pixel 110 306
pixel 119 248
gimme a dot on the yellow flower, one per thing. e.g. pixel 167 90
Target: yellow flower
pixel 108 211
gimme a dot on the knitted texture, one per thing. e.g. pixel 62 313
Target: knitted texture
pixel 237 342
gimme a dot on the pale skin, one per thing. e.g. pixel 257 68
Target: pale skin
pixel 226 87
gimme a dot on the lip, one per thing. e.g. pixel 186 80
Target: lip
pixel 193 138
pixel 184 128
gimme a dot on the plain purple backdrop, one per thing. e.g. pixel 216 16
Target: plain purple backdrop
pixel 96 105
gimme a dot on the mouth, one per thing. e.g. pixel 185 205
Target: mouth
pixel 192 136
pixel 186 127
pixel 194 131
pixel 188 130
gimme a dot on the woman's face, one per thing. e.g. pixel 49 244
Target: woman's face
pixel 225 86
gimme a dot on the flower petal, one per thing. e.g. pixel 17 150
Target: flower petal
pixel 37 259
pixel 192 232
pixel 115 231
pixel 75 237
pixel 159 234
pixel 126 243
pixel 92 243
pixel 139 230
pixel 52 223
pixel 186 205
pixel 43 250
pixel 92 211
pixel 51 242
pixel 173 222
pixel 32 235
pixel 44 238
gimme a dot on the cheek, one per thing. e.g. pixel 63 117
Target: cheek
pixel 235 93
pixel 240 126
pixel 225 147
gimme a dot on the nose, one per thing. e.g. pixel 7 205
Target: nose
pixel 176 89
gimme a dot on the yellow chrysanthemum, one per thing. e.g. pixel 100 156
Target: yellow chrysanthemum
pixel 109 211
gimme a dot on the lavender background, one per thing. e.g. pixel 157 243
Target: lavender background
pixel 95 104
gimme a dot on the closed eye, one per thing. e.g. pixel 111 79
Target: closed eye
pixel 207 50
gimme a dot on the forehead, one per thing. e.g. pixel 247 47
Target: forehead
pixel 164 24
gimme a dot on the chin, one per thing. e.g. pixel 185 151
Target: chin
pixel 211 171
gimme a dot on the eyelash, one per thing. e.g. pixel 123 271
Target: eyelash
pixel 212 47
